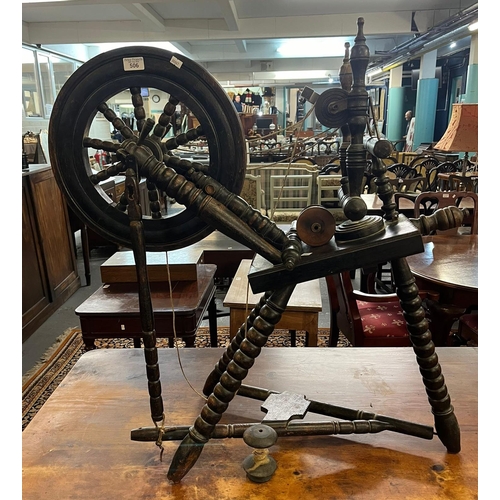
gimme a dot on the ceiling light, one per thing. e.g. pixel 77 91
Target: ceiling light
pixel 292 75
pixel 473 26
pixel 313 47
pixel 453 45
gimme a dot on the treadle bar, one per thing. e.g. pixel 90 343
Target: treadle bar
pixel 222 431
pixel 329 410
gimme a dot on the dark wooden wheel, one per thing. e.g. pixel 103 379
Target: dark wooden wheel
pixel 129 69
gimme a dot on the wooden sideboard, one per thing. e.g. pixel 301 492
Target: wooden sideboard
pixel 249 120
pixel 50 272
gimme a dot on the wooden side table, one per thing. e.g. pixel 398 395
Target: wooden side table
pixel 301 313
pixel 113 310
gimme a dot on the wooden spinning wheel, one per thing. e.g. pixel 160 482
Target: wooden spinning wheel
pixel 85 95
pixel 210 195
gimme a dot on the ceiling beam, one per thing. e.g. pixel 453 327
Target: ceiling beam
pixel 147 16
pixel 229 14
pixel 241 45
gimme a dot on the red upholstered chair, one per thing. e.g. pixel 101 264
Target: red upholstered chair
pixel 367 320
pixel 468 328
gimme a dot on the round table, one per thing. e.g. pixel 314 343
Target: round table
pixel 449 266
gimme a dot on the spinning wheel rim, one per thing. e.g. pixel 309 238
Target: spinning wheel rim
pixel 100 79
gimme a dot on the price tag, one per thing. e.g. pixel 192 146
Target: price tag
pixel 176 62
pixel 133 63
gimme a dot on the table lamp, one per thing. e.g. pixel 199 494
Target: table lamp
pixel 461 134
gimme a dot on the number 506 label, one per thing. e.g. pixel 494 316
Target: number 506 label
pixel 133 63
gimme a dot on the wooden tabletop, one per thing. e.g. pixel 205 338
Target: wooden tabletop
pixel 305 297
pixel 450 260
pixel 78 445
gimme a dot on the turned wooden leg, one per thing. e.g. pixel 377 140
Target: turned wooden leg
pixel 446 423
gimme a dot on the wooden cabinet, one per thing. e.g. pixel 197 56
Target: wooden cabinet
pixel 263 123
pixel 50 273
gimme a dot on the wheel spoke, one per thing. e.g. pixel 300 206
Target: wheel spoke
pixel 106 173
pixel 109 146
pixel 191 135
pixel 137 102
pixel 164 122
pixel 118 123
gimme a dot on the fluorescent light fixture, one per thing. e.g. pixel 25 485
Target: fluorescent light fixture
pixel 313 47
pixel 104 47
pixel 453 45
pixel 473 26
pixel 292 75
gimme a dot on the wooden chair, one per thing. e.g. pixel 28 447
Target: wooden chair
pixel 367 320
pixel 427 203
pixel 468 329
pixel 328 190
pixel 401 171
pixel 296 194
pixel 422 164
pixel 308 160
pixel 433 181
pixel 253 193
pixel 413 185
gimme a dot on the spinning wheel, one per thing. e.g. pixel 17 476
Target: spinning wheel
pixel 305 253
pixel 85 94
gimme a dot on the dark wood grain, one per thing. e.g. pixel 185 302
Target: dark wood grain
pixel 78 445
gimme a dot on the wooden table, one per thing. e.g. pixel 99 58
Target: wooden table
pixel 78 446
pixel 448 265
pixel 112 311
pixel 301 312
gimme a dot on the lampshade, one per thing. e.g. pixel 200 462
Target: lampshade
pixel 461 134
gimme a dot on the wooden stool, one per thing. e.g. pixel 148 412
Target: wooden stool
pixel 301 312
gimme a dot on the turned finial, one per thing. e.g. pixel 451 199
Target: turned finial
pixel 345 72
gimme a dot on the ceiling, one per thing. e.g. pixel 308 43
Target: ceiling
pixel 238 40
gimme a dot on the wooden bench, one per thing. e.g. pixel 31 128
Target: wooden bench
pixel 301 313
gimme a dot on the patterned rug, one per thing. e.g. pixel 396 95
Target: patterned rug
pixel 40 382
